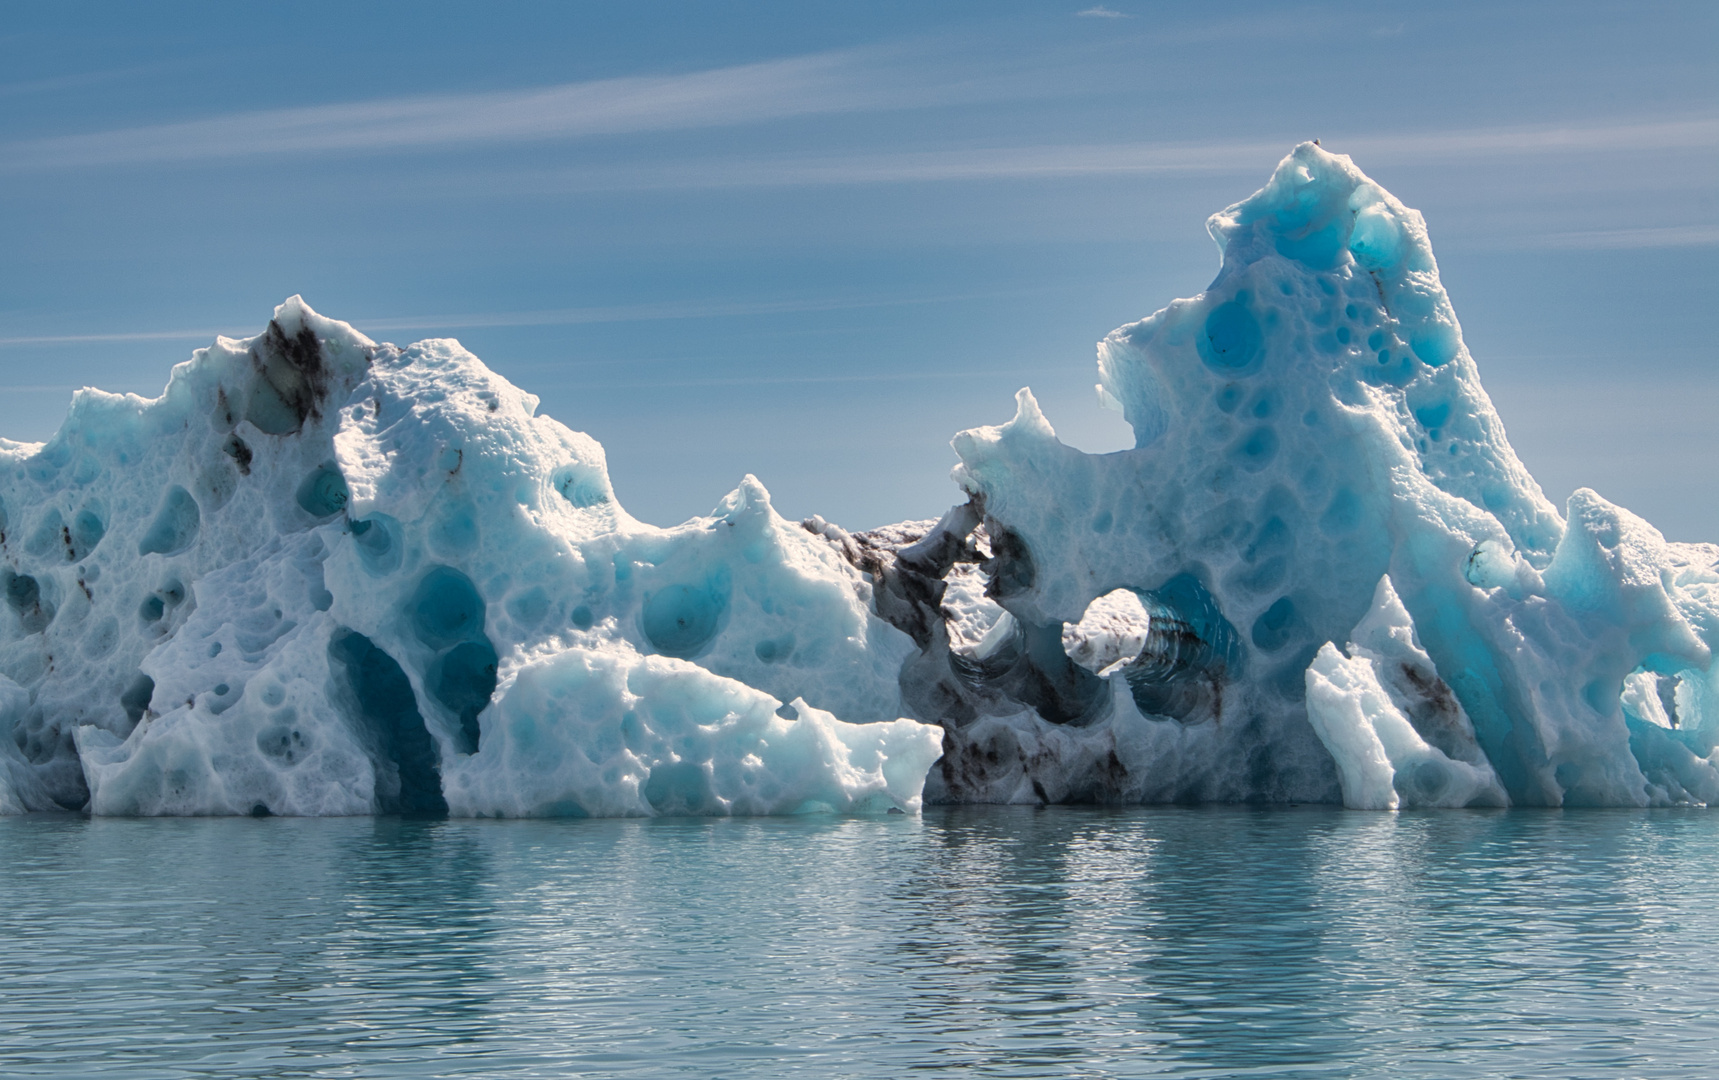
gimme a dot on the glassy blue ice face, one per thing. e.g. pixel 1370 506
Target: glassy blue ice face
pixel 812 242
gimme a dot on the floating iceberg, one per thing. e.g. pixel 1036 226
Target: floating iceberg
pixel 1315 464
pixel 321 575
pixel 324 576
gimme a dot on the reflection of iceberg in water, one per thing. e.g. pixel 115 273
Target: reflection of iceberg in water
pixel 325 576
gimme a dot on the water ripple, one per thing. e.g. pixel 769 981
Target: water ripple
pixel 1003 942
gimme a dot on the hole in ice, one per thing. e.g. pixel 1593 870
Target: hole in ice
pixel 377 537
pixel 530 607
pixel 1275 626
pixel 787 712
pixel 678 788
pixel 1110 633
pixel 582 485
pixel 447 609
pixel 135 700
pixel 1433 416
pixel 774 651
pixel 83 533
pixel 1398 372
pixel 456 533
pixel 86 532
pixel 582 617
pixel 1029 664
pixel 1258 449
pixel 283 742
pixel 49 534
pixel 680 620
pixel 324 492
pixel 408 769
pixel 1229 397
pixel 175 526
pixel 1232 339
pixel 260 811
pixel 152 608
pixel 1435 343
pixel 22 592
pixel 463 680
pixel 1191 651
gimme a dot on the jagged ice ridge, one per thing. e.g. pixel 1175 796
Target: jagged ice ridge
pixel 321 575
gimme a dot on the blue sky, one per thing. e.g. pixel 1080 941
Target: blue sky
pixel 812 241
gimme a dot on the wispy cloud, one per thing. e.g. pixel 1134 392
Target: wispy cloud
pixel 547 317
pixel 1099 11
pixel 1685 134
pixel 98 339
pixel 843 81
pixel 1089 160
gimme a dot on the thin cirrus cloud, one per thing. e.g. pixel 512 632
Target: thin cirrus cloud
pixel 832 82
pixel 1083 160
pixel 553 317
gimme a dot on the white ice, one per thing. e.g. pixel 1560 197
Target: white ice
pixel 321 575
pixel 1309 425
pixel 1398 735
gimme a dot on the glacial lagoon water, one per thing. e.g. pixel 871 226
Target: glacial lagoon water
pixel 997 941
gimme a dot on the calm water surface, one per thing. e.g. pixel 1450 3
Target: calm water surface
pixel 991 942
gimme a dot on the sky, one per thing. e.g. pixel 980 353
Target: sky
pixel 811 241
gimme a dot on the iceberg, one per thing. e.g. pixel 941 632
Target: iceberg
pixel 324 575
pixel 319 575
pixel 1315 463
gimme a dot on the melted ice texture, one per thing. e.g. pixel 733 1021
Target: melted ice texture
pixel 1316 463
pixel 324 576
pixel 321 575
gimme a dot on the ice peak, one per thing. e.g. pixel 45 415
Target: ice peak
pixel 293 316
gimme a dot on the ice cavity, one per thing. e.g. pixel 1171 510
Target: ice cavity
pixel 1111 633
pixel 321 575
pixel 1310 426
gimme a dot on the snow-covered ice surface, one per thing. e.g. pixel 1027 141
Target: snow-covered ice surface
pixel 321 575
